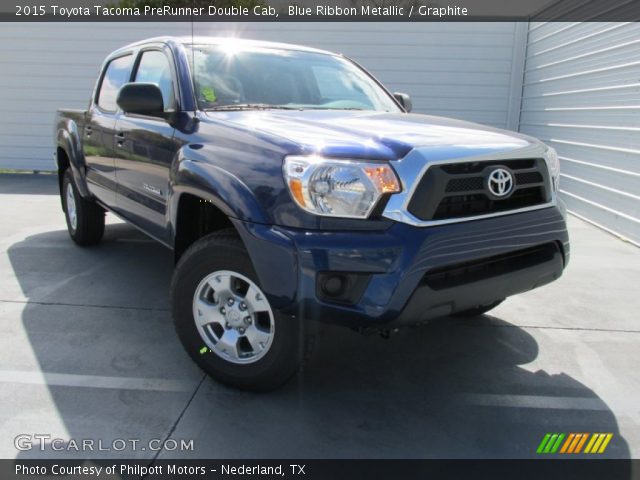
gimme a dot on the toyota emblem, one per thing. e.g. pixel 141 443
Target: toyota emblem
pixel 500 182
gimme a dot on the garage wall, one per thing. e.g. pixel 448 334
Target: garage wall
pixel 471 71
pixel 582 96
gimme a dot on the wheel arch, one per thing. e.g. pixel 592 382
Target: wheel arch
pixel 196 214
pixel 69 155
pixel 204 198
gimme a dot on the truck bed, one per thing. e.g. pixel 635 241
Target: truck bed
pixel 74 114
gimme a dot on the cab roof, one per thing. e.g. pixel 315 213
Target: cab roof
pixel 241 42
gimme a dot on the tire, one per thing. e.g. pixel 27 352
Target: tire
pixel 85 219
pixel 212 271
pixel 477 311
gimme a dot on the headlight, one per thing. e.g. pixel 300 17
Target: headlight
pixel 554 167
pixel 338 188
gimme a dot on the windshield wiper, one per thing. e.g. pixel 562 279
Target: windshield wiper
pixel 249 106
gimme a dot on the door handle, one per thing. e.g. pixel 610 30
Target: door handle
pixel 119 138
pixel 88 131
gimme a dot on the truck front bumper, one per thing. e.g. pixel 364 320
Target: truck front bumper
pixel 405 274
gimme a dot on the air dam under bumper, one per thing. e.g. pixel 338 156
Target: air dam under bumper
pixel 405 274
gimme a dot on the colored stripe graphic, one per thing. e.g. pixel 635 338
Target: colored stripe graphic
pixel 568 442
pixel 555 447
pixel 543 443
pixel 574 442
pixel 605 443
pixel 550 443
pixel 581 443
pixel 594 437
pixel 598 443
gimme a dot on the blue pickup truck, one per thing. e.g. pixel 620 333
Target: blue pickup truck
pixel 292 185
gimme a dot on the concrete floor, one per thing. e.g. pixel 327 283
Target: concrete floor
pixel 88 351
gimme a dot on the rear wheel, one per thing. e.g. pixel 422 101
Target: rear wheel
pixel 85 219
pixel 225 320
pixel 477 311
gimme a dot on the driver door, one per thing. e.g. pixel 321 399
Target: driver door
pixel 145 147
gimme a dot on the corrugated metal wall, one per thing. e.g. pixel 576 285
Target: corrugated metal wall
pixel 582 96
pixel 465 70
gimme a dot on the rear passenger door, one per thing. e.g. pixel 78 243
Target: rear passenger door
pixel 99 129
pixel 145 147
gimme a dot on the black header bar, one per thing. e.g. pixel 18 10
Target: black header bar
pixel 321 10
pixel 538 469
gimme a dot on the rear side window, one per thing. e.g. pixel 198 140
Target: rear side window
pixel 154 67
pixel 116 75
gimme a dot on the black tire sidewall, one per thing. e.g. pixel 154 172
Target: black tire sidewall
pixel 215 253
pixel 90 217
pixel 66 184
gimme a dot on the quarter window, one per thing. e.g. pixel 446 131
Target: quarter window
pixel 116 75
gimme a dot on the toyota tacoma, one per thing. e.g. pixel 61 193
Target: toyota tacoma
pixel 291 185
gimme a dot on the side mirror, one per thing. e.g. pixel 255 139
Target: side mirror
pixel 404 100
pixel 141 98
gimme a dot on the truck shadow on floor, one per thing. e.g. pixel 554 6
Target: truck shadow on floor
pixel 453 389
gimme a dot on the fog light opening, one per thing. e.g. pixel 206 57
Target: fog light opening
pixel 344 288
pixel 334 285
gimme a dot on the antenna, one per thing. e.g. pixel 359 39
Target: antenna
pixel 193 56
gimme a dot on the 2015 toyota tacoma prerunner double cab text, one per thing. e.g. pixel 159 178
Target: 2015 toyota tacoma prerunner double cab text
pixel 292 186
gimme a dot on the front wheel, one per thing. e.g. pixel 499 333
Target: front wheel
pixel 225 320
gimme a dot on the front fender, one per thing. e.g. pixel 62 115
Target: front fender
pixel 268 249
pixel 197 176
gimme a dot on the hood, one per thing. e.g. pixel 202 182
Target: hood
pixel 374 135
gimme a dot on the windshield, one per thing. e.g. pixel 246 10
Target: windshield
pixel 226 78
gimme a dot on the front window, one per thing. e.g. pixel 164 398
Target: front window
pixel 154 68
pixel 227 78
